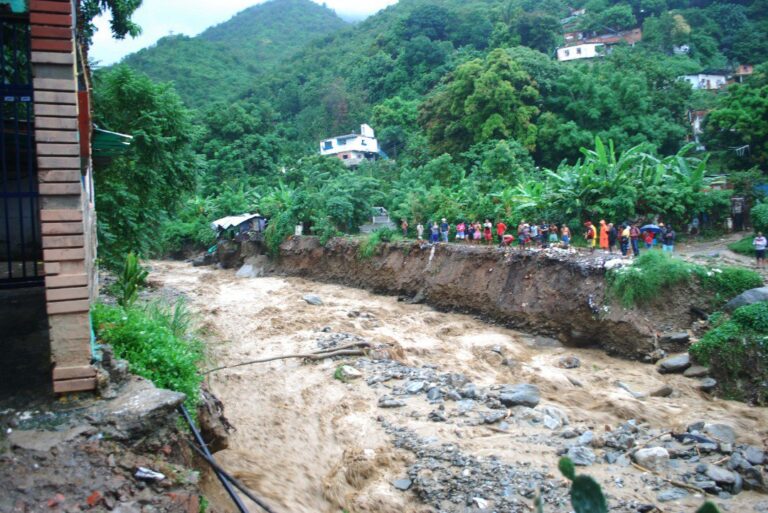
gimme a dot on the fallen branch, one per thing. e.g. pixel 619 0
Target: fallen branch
pixel 679 484
pixel 356 349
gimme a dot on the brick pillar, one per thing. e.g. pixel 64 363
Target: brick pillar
pixel 62 195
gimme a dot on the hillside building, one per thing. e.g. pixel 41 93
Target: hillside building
pixel 743 71
pixel 353 148
pixel 707 80
pixel 581 45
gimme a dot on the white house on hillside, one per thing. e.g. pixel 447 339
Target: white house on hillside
pixel 580 51
pixel 352 149
pixel 706 80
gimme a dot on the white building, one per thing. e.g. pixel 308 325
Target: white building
pixel 706 80
pixel 581 51
pixel 352 148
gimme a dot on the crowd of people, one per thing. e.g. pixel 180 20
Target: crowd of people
pixel 626 237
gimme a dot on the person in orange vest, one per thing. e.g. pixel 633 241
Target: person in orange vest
pixel 603 235
pixel 590 235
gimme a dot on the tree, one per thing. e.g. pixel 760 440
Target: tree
pixel 121 23
pixel 539 31
pixel 482 100
pixel 738 126
pixel 136 191
pixel 615 18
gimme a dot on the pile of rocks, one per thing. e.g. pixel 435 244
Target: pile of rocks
pixel 682 363
pixel 450 480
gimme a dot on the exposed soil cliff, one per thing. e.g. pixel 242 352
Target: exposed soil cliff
pixel 549 292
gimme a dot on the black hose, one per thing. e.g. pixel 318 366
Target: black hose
pixel 240 486
pixel 203 450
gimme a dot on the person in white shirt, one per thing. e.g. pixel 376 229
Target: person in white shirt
pixel 760 243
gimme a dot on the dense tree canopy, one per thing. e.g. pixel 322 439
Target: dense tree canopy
pixel 476 115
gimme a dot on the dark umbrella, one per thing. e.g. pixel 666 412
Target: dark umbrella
pixel 650 228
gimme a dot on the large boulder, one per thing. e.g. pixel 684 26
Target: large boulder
pixel 523 394
pixel 747 298
pixel 675 363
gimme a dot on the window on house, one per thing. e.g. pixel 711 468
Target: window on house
pixel 364 142
pixel 567 53
pixel 341 142
pixel 345 157
pixel 327 145
pixel 578 51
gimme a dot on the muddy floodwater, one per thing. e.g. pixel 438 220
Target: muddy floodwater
pixel 307 442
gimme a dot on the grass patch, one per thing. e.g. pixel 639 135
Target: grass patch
pixel 649 274
pixel 743 246
pixel 156 341
pixel 370 244
pixel 653 272
pixel 736 350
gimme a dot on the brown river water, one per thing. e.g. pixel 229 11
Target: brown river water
pixel 307 442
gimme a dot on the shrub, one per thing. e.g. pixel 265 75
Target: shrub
pixel 759 215
pixel 728 282
pixel 650 273
pixel 155 340
pixel 130 279
pixel 371 242
pixel 736 350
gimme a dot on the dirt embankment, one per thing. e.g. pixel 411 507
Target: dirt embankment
pixel 549 292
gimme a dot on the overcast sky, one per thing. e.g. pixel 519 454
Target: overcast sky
pixel 159 18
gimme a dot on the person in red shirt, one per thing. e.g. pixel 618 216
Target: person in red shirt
pixel 501 229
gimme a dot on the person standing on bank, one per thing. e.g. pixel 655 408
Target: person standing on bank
pixel 613 236
pixel 420 230
pixel 444 229
pixel 760 244
pixel 668 240
pixel 404 226
pixel 603 235
pixel 634 238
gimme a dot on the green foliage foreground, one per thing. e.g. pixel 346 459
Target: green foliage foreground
pixel 736 351
pixel 156 341
pixel 654 272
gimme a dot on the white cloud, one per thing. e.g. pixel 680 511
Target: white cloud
pixel 159 18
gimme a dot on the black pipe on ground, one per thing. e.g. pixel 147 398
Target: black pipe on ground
pixel 203 450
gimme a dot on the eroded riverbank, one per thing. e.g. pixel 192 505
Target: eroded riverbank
pixel 310 443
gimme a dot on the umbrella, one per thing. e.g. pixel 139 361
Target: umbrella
pixel 650 228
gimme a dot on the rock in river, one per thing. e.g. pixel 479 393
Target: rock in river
pixel 674 363
pixel 402 484
pixel 671 494
pixel 386 401
pixel 721 432
pixel 721 475
pixel 583 456
pixel 523 394
pixel 652 458
pixel 312 299
pixel 696 371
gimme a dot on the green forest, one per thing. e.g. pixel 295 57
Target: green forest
pixel 468 100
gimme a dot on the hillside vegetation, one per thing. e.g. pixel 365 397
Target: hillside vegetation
pixel 225 60
pixel 479 118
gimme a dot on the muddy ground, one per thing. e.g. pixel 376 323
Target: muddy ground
pixel 448 441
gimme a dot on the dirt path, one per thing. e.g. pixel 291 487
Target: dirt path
pixel 310 443
pixel 716 251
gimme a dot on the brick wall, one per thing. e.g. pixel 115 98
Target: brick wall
pixel 65 208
